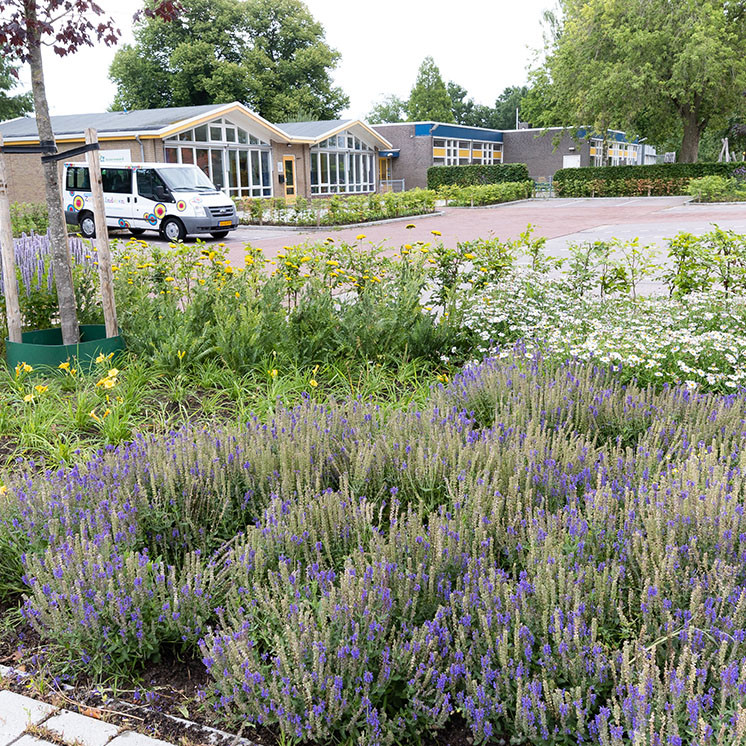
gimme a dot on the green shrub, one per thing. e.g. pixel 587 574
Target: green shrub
pixel 634 181
pixel 28 217
pixel 476 173
pixel 716 189
pixel 487 194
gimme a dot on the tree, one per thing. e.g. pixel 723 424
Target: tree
pixel 12 106
pixel 269 54
pixel 389 109
pixel 462 107
pixel 658 67
pixel 429 99
pixel 25 27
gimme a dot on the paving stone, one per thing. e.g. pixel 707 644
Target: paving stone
pixel 18 712
pixel 72 727
pixel 32 741
pixel 130 738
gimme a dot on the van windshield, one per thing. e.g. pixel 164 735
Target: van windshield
pixel 186 179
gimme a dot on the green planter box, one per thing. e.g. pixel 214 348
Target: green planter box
pixel 44 348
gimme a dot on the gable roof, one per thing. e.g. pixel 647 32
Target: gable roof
pixel 315 132
pixel 128 124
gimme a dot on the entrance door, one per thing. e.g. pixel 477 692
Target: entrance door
pixel 288 168
pixel 384 173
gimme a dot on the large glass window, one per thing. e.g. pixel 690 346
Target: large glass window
pixel 342 164
pixel 234 160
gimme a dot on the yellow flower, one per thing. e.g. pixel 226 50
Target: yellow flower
pixel 92 414
pixel 313 382
pixel 436 233
pixel 273 372
pixel 332 263
pixel 360 236
pixel 101 358
pixel 23 368
pixel 41 389
pixel 411 225
pixel 468 256
pixel 106 413
pixel 238 295
pixel 443 378
pixel 28 398
pixel 408 246
pixel 305 259
pixel 113 373
pixel 3 489
pixel 180 354
pixel 170 279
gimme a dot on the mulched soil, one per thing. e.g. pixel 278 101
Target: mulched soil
pixel 163 690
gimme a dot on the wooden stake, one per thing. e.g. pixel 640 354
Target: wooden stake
pixel 103 249
pixel 12 306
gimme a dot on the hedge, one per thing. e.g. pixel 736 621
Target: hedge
pixel 476 173
pixel 487 194
pixel 627 181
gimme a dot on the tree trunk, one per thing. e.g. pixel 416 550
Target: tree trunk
pixel 690 142
pixel 61 262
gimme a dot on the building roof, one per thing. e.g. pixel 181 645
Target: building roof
pixel 314 130
pixel 109 121
pixel 148 123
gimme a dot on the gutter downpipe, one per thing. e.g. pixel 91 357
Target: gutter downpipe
pixel 142 148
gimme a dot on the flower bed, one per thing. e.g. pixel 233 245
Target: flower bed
pixel 336 209
pixel 551 555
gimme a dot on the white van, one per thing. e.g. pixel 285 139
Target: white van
pixel 174 199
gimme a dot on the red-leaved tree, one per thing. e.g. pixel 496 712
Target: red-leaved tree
pixel 26 26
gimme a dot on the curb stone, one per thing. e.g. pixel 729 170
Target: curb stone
pixel 328 228
pixel 18 712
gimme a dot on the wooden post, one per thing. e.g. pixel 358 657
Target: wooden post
pixel 12 306
pixel 103 249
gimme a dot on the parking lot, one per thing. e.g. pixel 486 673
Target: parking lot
pixel 561 221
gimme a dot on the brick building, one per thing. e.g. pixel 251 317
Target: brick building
pixel 242 153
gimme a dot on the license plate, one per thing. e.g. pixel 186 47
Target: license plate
pixel 225 222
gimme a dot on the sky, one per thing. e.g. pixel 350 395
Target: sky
pixel 483 45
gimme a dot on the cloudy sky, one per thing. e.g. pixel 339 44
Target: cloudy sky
pixel 484 45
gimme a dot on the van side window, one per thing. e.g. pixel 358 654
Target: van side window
pixel 117 180
pixel 78 179
pixel 151 186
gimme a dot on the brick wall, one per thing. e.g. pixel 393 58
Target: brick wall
pixel 539 152
pixel 415 156
pixel 301 153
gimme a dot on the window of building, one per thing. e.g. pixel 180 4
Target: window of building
pixel 342 164
pixel 461 152
pixel 235 160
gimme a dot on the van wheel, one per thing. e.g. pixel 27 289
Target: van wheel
pixel 87 224
pixel 137 231
pixel 173 229
pixel 219 234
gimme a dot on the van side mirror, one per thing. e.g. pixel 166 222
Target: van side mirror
pixel 162 194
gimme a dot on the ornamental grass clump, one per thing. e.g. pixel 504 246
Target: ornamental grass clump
pixel 541 551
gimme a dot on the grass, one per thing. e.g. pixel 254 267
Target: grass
pixel 69 416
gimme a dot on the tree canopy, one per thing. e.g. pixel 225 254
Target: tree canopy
pixel 269 54
pixel 660 68
pixel 429 99
pixel 388 109
pixel 12 106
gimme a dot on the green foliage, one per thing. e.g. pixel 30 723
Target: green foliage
pixel 716 189
pixel 624 181
pixel 338 209
pixel 269 54
pixel 29 217
pixel 476 173
pixel 12 106
pixel 429 99
pixel 486 194
pixel 388 109
pixel 659 68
